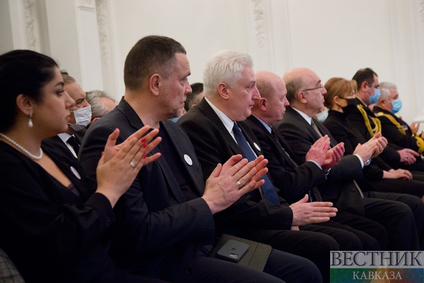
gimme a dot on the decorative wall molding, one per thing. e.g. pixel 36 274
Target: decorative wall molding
pixel 30 22
pixel 103 29
pixel 421 9
pixel 259 20
pixel 89 4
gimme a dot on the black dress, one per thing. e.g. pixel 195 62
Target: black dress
pixel 52 233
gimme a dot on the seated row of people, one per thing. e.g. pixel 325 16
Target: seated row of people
pixel 162 203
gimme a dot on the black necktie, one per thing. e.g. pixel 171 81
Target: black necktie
pixel 314 190
pixel 268 190
pixel 74 143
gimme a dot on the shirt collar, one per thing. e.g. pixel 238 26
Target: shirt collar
pixel 265 124
pixel 306 117
pixel 64 137
pixel 228 123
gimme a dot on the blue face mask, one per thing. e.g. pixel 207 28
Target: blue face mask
pixel 397 105
pixel 375 97
pixel 322 116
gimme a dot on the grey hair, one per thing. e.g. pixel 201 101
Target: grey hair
pixel 385 89
pixel 98 109
pixel 225 66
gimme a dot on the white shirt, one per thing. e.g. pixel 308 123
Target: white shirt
pixel 64 137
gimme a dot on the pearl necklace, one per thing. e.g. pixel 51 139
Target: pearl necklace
pixel 23 149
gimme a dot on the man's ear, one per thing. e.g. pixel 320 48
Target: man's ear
pixel 25 104
pixel 223 90
pixel 302 97
pixel 383 102
pixel 262 103
pixel 364 85
pixel 154 82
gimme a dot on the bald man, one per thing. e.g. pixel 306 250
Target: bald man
pixel 305 94
pixel 292 179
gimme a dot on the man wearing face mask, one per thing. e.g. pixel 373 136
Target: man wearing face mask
pixel 394 128
pixel 68 143
pixel 367 124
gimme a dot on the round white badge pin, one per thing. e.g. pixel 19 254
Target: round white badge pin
pixel 257 146
pixel 75 172
pixel 188 159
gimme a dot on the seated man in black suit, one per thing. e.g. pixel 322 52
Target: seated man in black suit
pixel 169 227
pixel 68 143
pixel 305 94
pixel 101 104
pixel 364 120
pixel 195 96
pixel 394 128
pixel 230 92
pixel 293 178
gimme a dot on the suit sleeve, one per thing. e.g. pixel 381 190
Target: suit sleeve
pixel 393 134
pixel 340 135
pixel 339 132
pixel 293 183
pixel 300 142
pixel 147 229
pixel 211 149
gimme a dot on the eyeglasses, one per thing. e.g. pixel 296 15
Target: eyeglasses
pixel 308 89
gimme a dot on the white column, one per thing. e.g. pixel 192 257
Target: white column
pixel 74 40
pixel 407 26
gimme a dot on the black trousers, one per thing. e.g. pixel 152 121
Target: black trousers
pixel 402 215
pixel 350 239
pixel 281 267
pixel 314 246
pixel 413 187
pixel 368 226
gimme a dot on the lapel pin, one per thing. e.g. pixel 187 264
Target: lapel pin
pixel 75 172
pixel 188 159
pixel 257 146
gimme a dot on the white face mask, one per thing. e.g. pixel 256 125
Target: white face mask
pixel 322 116
pixel 82 118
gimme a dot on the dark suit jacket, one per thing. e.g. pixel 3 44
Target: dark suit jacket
pixel 301 136
pixel 390 154
pixel 293 181
pixel 213 145
pixel 343 131
pixel 56 145
pixel 162 231
pixel 394 135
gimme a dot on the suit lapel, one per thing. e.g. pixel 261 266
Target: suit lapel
pixel 324 132
pixel 185 158
pixel 301 120
pixel 136 123
pixel 211 115
pixel 283 146
pixel 289 154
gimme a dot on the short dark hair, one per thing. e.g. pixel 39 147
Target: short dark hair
pixel 151 54
pixel 67 79
pixel 364 75
pixel 22 72
pixel 196 89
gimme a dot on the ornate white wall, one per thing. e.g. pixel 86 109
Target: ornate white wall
pixel 90 38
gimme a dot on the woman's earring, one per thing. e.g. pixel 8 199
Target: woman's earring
pixel 30 120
